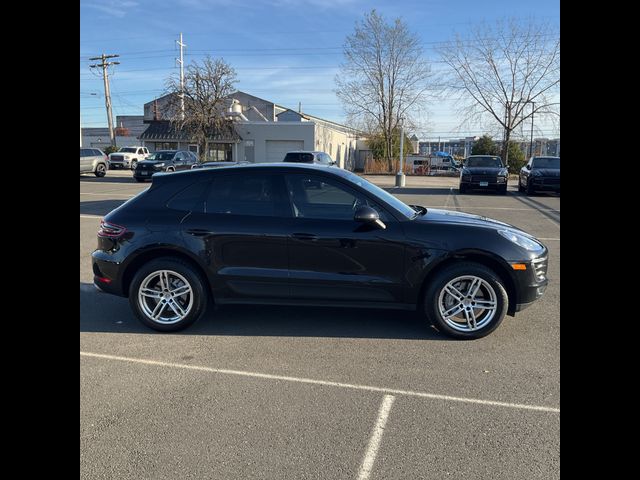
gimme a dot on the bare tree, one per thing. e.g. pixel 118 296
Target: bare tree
pixel 206 88
pixel 507 73
pixel 382 77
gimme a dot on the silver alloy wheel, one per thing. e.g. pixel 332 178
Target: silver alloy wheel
pixel 101 168
pixel 467 303
pixel 165 297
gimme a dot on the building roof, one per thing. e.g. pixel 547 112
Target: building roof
pixel 165 130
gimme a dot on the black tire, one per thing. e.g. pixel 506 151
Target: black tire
pixel 462 188
pixel 530 190
pixel 139 179
pixel 520 187
pixel 194 303
pixel 171 169
pixel 502 190
pixel 134 164
pixel 492 285
pixel 101 170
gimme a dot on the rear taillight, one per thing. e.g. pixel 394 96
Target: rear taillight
pixel 110 230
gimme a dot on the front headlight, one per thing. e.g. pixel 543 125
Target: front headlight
pixel 521 240
pixel 160 165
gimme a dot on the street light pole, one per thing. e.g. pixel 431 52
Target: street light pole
pixel 532 112
pixel 400 177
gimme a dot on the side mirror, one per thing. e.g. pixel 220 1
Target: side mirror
pixel 366 214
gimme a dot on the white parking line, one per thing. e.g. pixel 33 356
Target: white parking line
pixel 389 391
pixel 376 438
pixel 90 216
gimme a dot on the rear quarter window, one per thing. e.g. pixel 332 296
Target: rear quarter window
pixel 189 199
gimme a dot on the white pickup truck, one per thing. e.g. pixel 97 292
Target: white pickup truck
pixel 128 157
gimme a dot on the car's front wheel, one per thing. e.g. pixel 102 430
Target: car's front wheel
pixel 101 170
pixel 168 294
pixel 134 164
pixel 466 300
pixel 530 190
pixel 462 188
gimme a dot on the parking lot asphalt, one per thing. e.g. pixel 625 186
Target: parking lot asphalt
pixel 299 393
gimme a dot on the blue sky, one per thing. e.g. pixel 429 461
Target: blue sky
pixel 286 51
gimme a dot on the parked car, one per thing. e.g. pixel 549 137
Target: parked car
pixel 540 173
pixel 93 160
pixel 303 156
pixel 215 164
pixel 483 172
pixel 128 157
pixel 266 233
pixel 164 161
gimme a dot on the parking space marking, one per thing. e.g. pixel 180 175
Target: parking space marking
pixel 376 437
pixel 311 381
pixel 90 216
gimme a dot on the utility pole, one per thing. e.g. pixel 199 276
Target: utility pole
pixel 532 112
pixel 107 92
pixel 400 178
pixel 181 62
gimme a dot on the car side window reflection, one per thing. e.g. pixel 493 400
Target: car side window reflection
pixel 323 198
pixel 242 195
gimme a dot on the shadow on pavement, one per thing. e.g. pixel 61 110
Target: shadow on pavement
pixel 418 190
pixel 546 210
pixel 101 312
pixel 107 179
pixel 99 207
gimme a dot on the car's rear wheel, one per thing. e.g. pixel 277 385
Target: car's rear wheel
pixel 101 170
pixel 168 294
pixel 466 300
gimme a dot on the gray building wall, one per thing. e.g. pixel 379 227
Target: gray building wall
pixel 260 132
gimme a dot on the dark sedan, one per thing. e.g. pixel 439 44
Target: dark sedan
pixel 484 172
pixel 163 161
pixel 540 174
pixel 310 235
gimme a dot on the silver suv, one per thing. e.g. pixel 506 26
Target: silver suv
pixel 93 160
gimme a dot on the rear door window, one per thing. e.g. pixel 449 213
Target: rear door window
pixel 242 195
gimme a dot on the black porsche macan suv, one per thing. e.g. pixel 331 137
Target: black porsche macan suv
pixel 307 235
pixel 484 172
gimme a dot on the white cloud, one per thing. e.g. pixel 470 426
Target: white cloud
pixel 116 8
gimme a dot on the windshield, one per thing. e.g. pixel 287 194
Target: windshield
pixel 483 162
pixel 402 207
pixel 161 156
pixel 127 150
pixel 546 162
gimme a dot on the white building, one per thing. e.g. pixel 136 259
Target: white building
pixel 263 132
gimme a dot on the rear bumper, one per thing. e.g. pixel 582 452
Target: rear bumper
pixel 107 273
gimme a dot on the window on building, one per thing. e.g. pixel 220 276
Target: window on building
pixel 166 146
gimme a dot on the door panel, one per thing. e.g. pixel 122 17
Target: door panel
pixel 239 235
pixel 335 258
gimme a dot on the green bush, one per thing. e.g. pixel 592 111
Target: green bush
pixel 110 149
